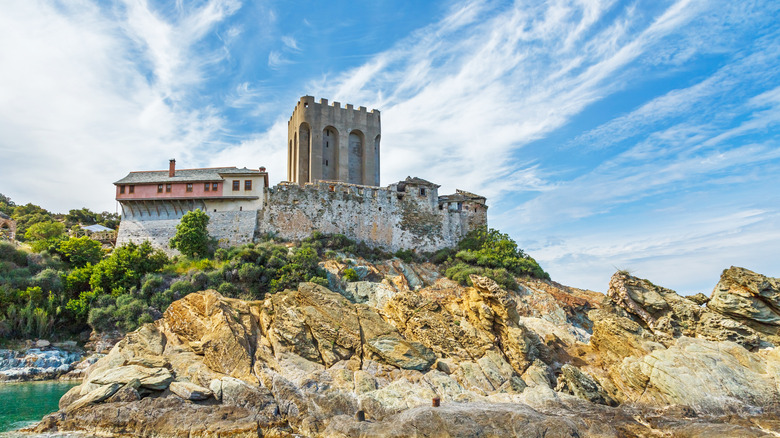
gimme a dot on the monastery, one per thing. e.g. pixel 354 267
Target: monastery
pixel 333 157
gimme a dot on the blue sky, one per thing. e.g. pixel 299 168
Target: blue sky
pixel 606 134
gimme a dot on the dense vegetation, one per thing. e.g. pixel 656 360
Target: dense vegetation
pixel 64 286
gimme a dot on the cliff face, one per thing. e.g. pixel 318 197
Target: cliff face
pixel 548 360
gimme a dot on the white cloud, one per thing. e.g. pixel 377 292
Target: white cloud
pixel 77 109
pixel 290 43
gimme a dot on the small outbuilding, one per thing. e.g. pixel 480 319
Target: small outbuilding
pixel 7 227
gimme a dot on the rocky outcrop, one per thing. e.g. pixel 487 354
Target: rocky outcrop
pixel 546 360
pixel 38 363
pixel 749 298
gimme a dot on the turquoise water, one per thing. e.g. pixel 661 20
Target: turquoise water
pixel 22 404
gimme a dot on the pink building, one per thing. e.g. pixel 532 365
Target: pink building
pixel 171 193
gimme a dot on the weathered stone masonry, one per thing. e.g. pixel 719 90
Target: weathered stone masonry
pixel 407 215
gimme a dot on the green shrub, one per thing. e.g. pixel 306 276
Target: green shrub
pixel 81 251
pixel 49 280
pixel 492 254
pixel 125 267
pixel 8 252
pixel 350 275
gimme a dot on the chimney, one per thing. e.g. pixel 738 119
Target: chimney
pixel 172 168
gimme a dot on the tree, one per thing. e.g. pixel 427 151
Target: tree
pixel 192 238
pixel 6 205
pixel 44 235
pixel 81 250
pixel 28 215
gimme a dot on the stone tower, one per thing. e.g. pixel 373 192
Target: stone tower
pixel 329 143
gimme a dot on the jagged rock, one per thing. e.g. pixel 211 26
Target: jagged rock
pixel 151 378
pixel 750 298
pixel 222 329
pixel 712 377
pixel 668 315
pixel 303 362
pixel 190 391
pixel 236 392
pixel 95 396
pixel 127 393
pixel 699 298
pixel 580 384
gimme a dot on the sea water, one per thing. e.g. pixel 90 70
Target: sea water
pixel 23 404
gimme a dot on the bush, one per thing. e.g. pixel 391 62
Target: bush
pixel 81 251
pixel 350 275
pixel 125 267
pixel 495 255
pixel 9 253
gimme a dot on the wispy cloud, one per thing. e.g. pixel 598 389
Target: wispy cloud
pixel 464 94
pixel 101 91
pixel 277 60
pixel 290 43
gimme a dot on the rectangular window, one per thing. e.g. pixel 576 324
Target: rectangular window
pixel 206 187
pixel 159 188
pixel 248 184
pixel 121 190
pixel 214 187
pixel 167 188
pixel 236 185
pixel 189 187
pixel 131 189
pixel 422 191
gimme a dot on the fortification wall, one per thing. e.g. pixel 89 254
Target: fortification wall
pixel 379 216
pixel 230 228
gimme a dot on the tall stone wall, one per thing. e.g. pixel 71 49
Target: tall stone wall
pixel 230 228
pixel 378 216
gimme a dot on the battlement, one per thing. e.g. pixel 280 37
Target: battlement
pixel 307 102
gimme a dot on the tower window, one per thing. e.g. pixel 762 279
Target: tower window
pixel 132 189
pixel 326 144
pixel 121 190
pixel 189 187
pixel 326 162
pixel 168 188
pixel 159 188
pixel 422 191
pixel 214 187
pixel 206 187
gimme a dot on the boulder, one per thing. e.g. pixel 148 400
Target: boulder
pixel 151 378
pixel 748 297
pixel 95 396
pixel 580 384
pixel 190 391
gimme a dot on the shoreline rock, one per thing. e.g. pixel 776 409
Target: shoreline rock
pixel 546 359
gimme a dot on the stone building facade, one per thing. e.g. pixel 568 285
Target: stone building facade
pixel 7 227
pixel 333 187
pixel 153 203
